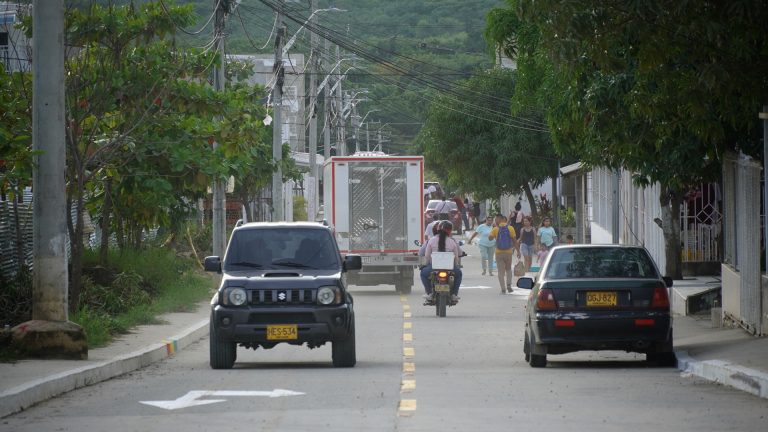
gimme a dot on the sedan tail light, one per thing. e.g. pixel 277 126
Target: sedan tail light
pixel 660 298
pixel 546 300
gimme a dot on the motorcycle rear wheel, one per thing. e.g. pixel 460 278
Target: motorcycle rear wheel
pixel 441 303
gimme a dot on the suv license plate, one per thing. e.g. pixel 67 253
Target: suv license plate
pixel 601 298
pixel 442 288
pixel 282 332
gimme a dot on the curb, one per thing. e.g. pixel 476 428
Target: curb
pixel 722 372
pixel 26 395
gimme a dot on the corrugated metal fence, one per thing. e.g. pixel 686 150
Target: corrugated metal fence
pixel 9 262
pixel 742 192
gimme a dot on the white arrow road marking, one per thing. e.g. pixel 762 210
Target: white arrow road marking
pixel 190 399
pixel 475 287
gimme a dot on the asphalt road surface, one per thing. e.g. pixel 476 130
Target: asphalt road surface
pixel 415 372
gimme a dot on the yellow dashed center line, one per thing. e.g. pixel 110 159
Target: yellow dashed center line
pixel 408 385
pixel 407 407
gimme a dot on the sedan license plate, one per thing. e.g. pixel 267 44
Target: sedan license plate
pixel 442 288
pixel 282 332
pixel 601 298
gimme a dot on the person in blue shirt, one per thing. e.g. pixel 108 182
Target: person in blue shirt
pixel 487 246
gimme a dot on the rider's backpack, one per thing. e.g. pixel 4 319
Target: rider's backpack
pixel 504 238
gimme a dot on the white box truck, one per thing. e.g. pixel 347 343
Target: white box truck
pixel 374 204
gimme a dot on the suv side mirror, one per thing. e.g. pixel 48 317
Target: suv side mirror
pixel 353 262
pixel 668 281
pixel 212 264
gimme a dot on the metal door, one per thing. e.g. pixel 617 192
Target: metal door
pixel 377 197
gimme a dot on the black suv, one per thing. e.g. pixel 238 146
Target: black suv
pixel 282 282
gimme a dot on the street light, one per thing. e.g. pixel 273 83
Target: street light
pixel 366 115
pixel 290 42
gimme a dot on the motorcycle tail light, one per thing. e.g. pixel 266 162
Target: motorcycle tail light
pixel 442 275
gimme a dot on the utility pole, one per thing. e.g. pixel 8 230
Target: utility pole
pixel 49 334
pixel 327 112
pixel 341 144
pixel 314 69
pixel 764 116
pixel 367 138
pixel 615 217
pixel 50 274
pixel 219 195
pixel 277 122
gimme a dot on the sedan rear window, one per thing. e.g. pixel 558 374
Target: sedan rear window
pixel 600 262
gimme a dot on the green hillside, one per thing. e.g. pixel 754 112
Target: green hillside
pixel 427 44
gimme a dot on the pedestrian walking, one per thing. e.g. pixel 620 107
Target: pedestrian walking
pixel 442 210
pixel 506 244
pixel 486 245
pixel 546 238
pixel 527 238
pixel 476 212
pixel 516 217
pixel 462 211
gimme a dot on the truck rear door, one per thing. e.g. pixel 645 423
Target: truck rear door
pixel 377 200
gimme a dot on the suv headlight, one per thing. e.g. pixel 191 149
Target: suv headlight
pixel 328 295
pixel 235 296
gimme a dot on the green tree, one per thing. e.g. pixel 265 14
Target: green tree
pixel 660 89
pixel 140 121
pixel 15 145
pixel 490 152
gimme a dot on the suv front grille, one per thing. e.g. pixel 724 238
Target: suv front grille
pixel 281 318
pixel 288 296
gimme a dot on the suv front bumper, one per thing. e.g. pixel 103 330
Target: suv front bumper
pixel 315 325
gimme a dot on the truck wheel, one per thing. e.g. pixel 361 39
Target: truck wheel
pixel 403 287
pixel 343 351
pixel 222 354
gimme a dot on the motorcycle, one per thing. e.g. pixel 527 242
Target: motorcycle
pixel 442 281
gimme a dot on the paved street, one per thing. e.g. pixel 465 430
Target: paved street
pixel 415 372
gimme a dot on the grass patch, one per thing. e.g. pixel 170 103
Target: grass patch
pixel 158 282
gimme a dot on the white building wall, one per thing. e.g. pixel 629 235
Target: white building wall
pixel 638 207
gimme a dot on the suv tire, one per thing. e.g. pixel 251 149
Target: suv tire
pixel 343 351
pixel 222 354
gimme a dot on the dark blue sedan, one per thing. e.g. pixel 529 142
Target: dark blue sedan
pixel 598 297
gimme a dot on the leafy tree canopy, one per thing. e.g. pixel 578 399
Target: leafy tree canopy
pixel 661 89
pixel 489 153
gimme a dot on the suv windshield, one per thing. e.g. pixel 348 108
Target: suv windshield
pixel 275 248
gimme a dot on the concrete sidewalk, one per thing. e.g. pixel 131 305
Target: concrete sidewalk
pixel 727 356
pixel 27 382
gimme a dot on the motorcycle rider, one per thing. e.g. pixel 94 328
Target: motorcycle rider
pixel 443 242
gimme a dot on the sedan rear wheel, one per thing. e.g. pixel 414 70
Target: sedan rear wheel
pixel 536 360
pixel 527 347
pixel 663 354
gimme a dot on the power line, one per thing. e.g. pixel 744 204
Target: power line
pixel 191 33
pixel 420 77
